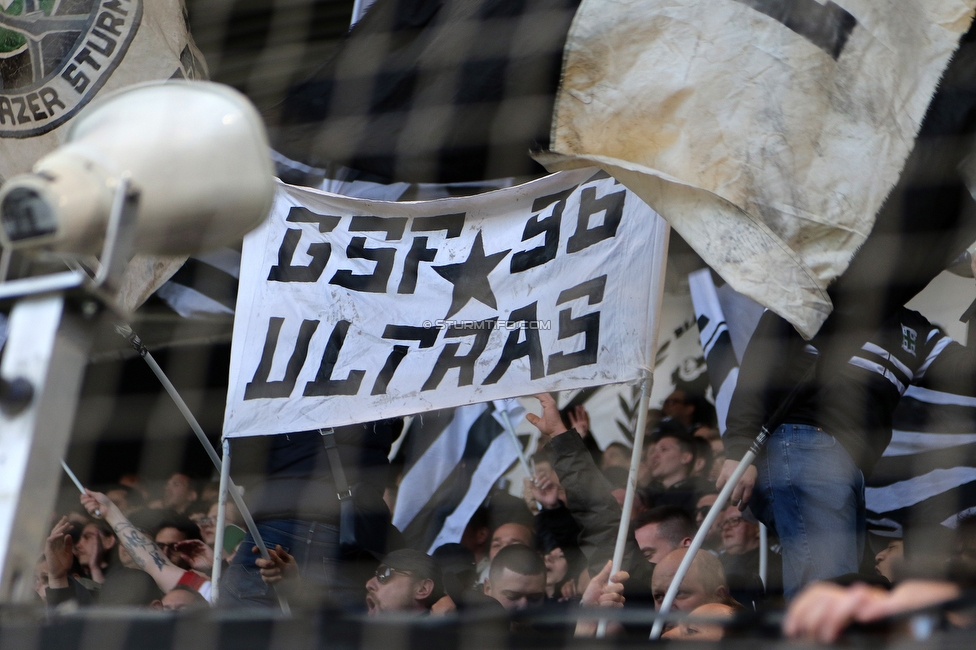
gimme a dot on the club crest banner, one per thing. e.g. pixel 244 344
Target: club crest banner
pixel 353 310
pixel 55 57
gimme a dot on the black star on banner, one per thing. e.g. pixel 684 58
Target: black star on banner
pixel 470 278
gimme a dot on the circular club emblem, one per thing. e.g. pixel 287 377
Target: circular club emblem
pixel 55 55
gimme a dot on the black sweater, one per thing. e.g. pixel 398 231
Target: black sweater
pixel 298 481
pixel 856 404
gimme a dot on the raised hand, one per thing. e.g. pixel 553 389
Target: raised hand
pixel 550 424
pixel 197 554
pixel 545 490
pixel 579 419
pixel 605 591
pixel 567 591
pixel 743 489
pixel 96 503
pixel 95 560
pixel 59 553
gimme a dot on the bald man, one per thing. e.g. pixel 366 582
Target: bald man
pixel 703 584
pixel 698 631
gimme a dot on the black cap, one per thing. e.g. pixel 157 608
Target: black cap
pixel 458 569
pixel 454 558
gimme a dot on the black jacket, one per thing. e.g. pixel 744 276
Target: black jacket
pixel 596 511
pixel 298 481
pixel 856 404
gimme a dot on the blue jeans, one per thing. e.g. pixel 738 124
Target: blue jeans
pixel 315 547
pixel 811 494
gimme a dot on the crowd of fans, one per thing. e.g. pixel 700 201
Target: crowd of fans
pixel 550 549
pixel 127 549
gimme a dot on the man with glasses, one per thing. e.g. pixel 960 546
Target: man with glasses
pixel 713 539
pixel 171 532
pixel 679 407
pixel 406 581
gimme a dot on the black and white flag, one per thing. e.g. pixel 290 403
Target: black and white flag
pixel 206 285
pixel 453 458
pixel 716 342
pixel 353 309
pixel 927 474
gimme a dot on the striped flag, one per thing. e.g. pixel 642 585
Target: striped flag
pixel 722 346
pixel 723 367
pixel 927 475
pixel 453 457
pixel 206 285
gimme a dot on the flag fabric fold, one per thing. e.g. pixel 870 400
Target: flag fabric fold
pixel 720 359
pixel 768 133
pixel 452 459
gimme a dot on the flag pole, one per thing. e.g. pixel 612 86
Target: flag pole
pixel 647 384
pixel 723 496
pixel 218 563
pixel 763 553
pixel 635 459
pixel 126 332
pixel 699 539
pixel 518 444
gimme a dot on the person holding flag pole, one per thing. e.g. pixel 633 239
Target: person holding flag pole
pixel 592 507
pixel 550 425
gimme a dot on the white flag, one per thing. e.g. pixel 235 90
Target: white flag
pixel 352 310
pixel 767 132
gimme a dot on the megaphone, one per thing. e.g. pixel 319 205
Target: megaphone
pixel 197 153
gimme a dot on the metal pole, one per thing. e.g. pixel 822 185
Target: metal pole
pixel 699 539
pixel 775 420
pixel 235 492
pixel 518 444
pixel 51 329
pixel 218 564
pixel 763 553
pixel 659 246
pixel 74 479
pixel 628 507
pixel 48 347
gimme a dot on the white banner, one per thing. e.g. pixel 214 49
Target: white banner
pixel 767 132
pixel 352 310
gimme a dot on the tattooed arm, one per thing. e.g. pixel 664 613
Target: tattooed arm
pixel 143 550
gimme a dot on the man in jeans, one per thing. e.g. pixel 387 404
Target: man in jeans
pixel 808 482
pixel 296 507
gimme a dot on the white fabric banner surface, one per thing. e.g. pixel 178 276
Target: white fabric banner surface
pixel 352 310
pixel 767 132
